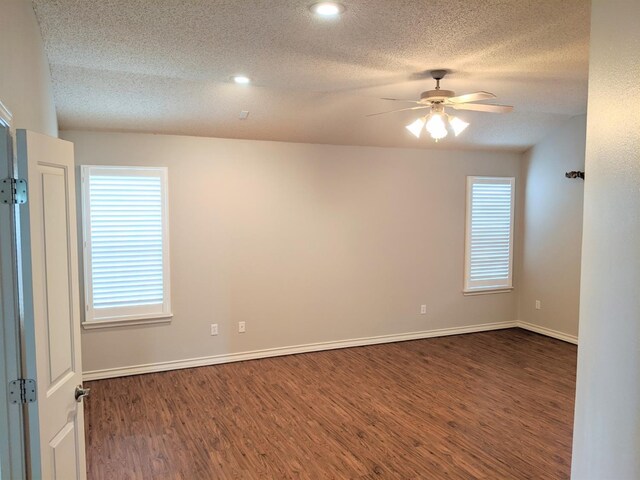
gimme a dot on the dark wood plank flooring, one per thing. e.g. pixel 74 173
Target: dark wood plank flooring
pixel 493 405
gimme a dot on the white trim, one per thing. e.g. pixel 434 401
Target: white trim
pixel 468 284
pixel 279 351
pixel 130 315
pixel 548 332
pixel 486 291
pixel 12 453
pixel 6 117
pixel 126 321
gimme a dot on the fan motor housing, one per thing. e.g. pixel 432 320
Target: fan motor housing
pixel 431 96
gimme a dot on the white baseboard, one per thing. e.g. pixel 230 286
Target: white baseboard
pixel 276 352
pixel 548 332
pixel 316 347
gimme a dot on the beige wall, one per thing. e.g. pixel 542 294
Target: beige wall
pixel 606 442
pixel 552 230
pixel 306 243
pixel 25 84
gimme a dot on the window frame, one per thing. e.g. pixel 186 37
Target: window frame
pixel 468 288
pixel 130 315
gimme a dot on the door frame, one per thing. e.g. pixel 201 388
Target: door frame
pixel 12 445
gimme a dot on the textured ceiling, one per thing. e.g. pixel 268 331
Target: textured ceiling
pixel 163 66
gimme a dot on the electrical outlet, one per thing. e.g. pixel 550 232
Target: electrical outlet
pixel 423 309
pixel 538 305
pixel 242 327
pixel 214 329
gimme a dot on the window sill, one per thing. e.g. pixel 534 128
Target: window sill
pixel 487 291
pixel 128 321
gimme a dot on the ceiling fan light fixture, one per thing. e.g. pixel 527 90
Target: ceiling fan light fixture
pixel 457 125
pixel 327 9
pixel 436 126
pixel 438 123
pixel 416 127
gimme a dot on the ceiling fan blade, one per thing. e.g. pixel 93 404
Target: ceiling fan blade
pixel 399 100
pixel 479 107
pixel 399 110
pixel 471 97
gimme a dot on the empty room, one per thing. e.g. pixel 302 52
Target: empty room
pixel 294 239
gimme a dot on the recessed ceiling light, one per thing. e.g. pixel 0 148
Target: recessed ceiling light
pixel 327 9
pixel 241 79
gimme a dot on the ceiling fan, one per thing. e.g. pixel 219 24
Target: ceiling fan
pixel 437 121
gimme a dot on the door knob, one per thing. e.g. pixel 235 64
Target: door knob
pixel 81 393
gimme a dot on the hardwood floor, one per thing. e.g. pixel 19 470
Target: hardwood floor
pixel 493 405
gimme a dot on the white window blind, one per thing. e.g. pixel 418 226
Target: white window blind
pixel 126 244
pixel 489 234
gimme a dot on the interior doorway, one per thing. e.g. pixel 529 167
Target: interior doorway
pixel 12 452
pixel 41 394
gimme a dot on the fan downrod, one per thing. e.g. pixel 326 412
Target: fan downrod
pixel 438 75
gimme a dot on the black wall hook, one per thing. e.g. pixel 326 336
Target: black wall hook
pixel 574 175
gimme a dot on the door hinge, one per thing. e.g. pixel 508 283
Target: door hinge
pixel 22 390
pixel 13 191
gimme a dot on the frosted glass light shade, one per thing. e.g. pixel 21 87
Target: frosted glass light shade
pixel 416 127
pixel 457 125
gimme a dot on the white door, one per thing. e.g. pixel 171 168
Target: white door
pixel 50 295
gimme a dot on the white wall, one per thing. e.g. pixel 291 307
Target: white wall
pixel 552 230
pixel 306 243
pixel 25 84
pixel 606 441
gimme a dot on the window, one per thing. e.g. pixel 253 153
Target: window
pixel 125 245
pixel 489 234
